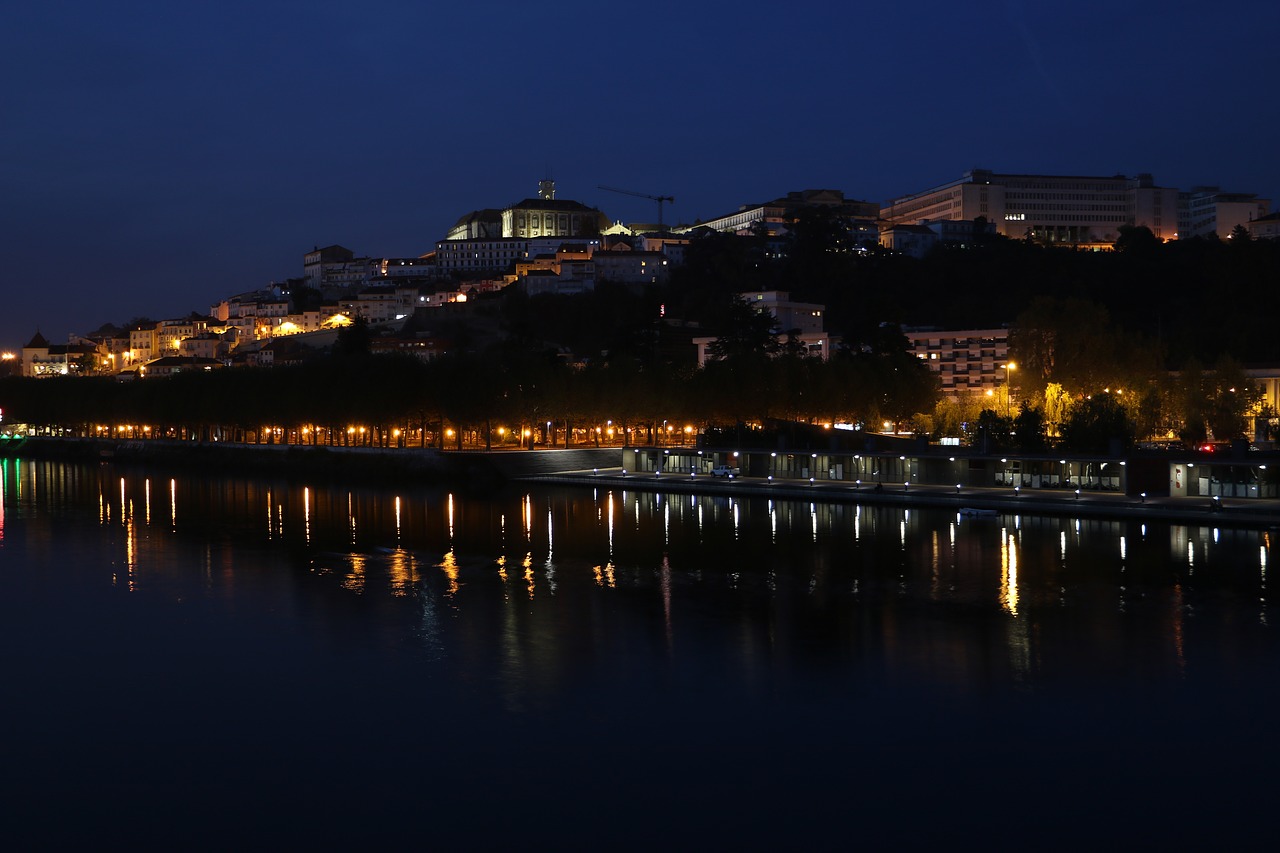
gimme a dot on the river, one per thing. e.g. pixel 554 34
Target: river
pixel 193 661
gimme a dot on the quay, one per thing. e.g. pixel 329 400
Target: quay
pixel 1229 490
pixel 1217 512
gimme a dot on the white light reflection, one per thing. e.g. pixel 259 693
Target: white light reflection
pixel 549 568
pixel 1191 557
pixel 351 517
pixel 773 520
pixel 1062 545
pixel 1123 555
pixel 1262 579
pixel 813 516
pixel 666 523
pixel 130 551
pixel 609 507
pixel 397 518
pixel 173 504
pixel 737 521
pixel 857 522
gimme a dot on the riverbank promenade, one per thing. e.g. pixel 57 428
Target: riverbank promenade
pixel 1218 512
pixel 1083 489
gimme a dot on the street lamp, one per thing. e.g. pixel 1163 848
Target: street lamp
pixel 1008 387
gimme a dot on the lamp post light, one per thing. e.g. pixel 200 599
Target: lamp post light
pixel 1008 387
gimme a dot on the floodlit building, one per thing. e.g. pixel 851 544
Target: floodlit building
pixel 1070 210
pixel 41 358
pixel 547 216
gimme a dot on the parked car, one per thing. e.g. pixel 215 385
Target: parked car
pixel 724 471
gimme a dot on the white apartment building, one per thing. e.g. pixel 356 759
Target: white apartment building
pixel 479 257
pixel 1071 210
pixel 967 361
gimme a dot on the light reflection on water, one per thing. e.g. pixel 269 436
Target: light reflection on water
pixel 607 609
pixel 768 548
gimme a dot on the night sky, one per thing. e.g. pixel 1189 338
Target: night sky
pixel 156 157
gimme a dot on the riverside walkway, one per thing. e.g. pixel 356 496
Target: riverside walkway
pixel 1224 512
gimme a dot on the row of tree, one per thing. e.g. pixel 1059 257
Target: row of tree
pixel 477 393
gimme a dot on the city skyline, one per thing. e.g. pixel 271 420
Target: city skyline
pixel 158 159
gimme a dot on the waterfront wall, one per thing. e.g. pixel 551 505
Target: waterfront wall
pixel 476 468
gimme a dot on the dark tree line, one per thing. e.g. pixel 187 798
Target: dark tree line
pixel 385 399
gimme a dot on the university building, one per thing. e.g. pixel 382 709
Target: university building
pixel 1071 210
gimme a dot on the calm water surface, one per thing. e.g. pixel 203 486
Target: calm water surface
pixel 193 661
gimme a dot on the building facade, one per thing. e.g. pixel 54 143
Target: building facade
pixel 967 361
pixel 1206 211
pixel 1068 210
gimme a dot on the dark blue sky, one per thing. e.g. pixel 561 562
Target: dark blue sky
pixel 158 156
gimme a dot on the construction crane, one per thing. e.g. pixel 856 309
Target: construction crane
pixel 658 198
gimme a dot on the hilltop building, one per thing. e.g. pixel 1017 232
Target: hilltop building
pixel 1068 210
pixel 1203 211
pixel 775 217
pixel 547 216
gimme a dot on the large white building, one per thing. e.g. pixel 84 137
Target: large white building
pixel 1072 210
pixel 1203 211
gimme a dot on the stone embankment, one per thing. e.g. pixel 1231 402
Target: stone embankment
pixel 601 468
pixel 1240 512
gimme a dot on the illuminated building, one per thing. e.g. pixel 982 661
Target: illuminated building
pixel 547 216
pixel 1070 210
pixel 967 361
pixel 41 358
